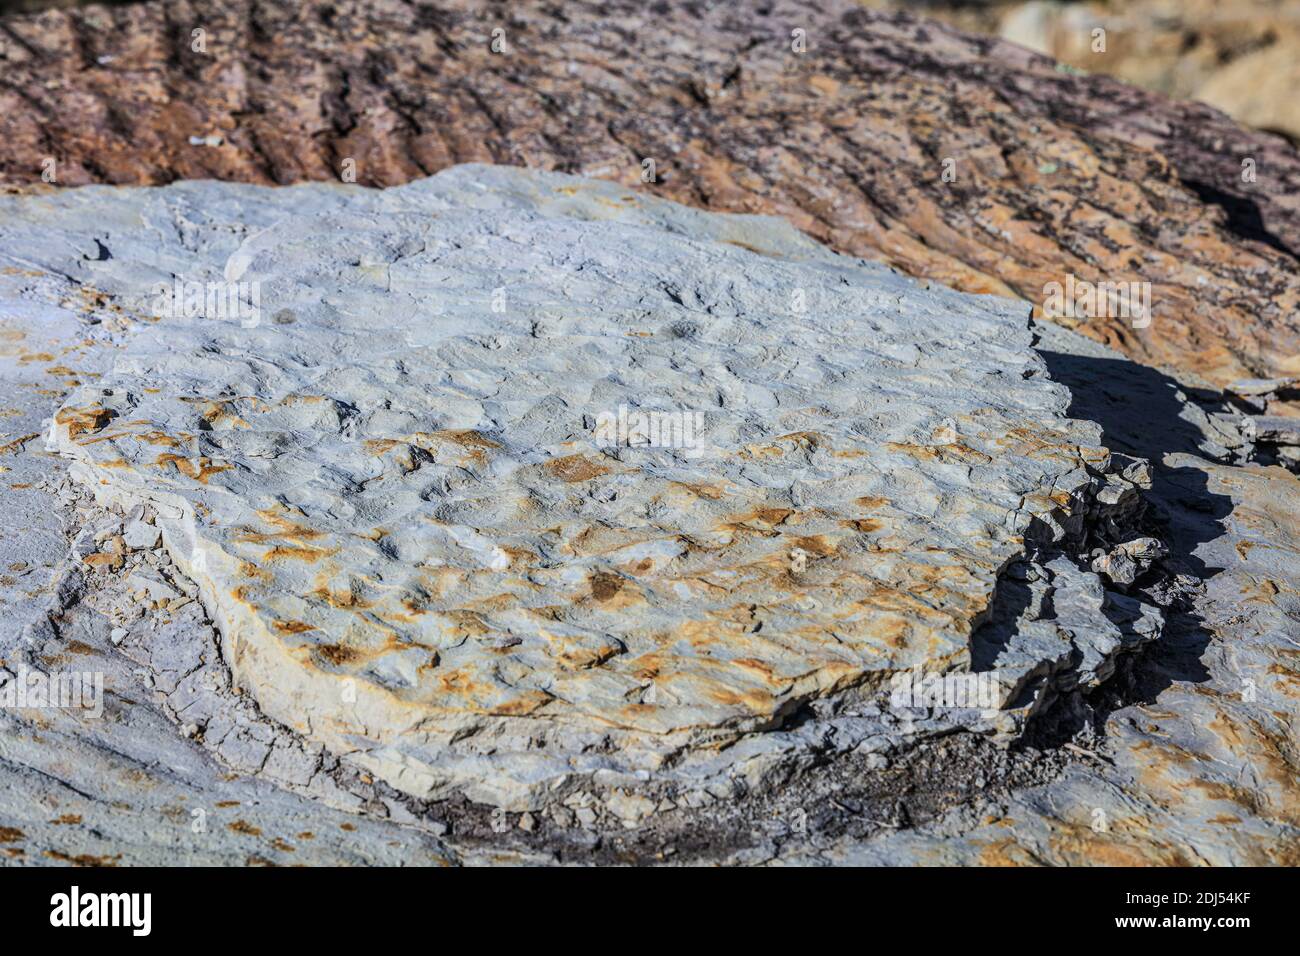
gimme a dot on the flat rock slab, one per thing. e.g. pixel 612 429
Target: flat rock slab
pixel 404 492
pixel 966 160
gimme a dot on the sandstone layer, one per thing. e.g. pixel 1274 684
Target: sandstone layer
pixel 856 139
pixel 404 493
pixel 1170 661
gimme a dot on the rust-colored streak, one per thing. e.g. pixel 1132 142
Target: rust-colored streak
pixel 78 421
pixel 199 469
pixel 575 468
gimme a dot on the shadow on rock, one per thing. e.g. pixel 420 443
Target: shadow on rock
pixel 1139 410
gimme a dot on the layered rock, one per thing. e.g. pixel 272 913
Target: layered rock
pixel 965 160
pixel 1198 763
pixel 510 479
pixel 836 589
pixel 1157 644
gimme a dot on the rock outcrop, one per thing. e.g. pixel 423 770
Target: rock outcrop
pixel 378 564
pixel 1200 764
pixel 968 161
pixel 508 480
pixel 395 582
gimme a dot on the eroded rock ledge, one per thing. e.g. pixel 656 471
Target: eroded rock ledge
pixel 392 489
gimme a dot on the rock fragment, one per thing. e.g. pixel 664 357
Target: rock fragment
pixel 140 536
pixel 1124 563
pixel 1272 430
pixel 1262 388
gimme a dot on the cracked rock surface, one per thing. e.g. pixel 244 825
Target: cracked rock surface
pixel 851 139
pixel 1197 760
pixel 403 574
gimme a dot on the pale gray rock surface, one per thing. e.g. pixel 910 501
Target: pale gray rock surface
pixel 38 344
pixel 394 491
pixel 1198 764
pixel 406 588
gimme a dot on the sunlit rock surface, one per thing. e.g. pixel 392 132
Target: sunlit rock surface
pixel 962 159
pixel 688 645
pixel 1200 766
pixel 405 495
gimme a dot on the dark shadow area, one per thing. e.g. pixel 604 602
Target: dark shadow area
pixel 1138 410
pixel 1244 217
pixel 1011 598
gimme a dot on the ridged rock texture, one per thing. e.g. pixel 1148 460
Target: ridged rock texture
pixel 1192 756
pixel 1055 174
pixel 389 491
pixel 406 496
